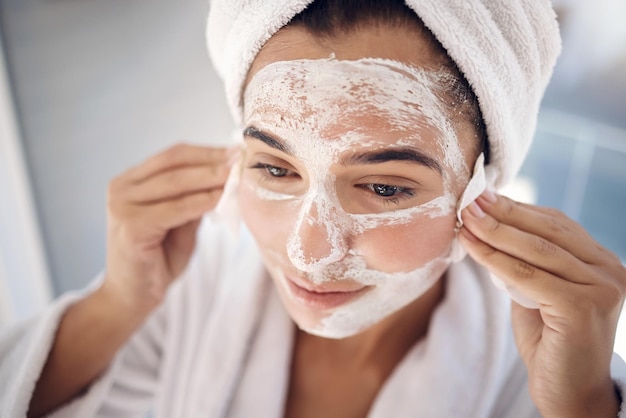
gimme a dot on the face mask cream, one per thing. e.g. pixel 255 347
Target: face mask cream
pixel 325 112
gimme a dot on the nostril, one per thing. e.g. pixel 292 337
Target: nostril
pixel 307 254
pixel 316 241
pixel 318 236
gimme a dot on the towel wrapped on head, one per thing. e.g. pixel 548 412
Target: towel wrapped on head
pixel 505 49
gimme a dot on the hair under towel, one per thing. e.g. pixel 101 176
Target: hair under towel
pixel 506 49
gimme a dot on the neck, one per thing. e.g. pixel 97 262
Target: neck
pixel 382 346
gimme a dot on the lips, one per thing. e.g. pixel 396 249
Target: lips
pixel 326 297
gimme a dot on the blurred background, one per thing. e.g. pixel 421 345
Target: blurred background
pixel 90 87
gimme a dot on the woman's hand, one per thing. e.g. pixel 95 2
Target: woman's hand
pixel 154 210
pixel 580 287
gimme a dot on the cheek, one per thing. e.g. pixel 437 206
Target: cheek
pixel 268 221
pixel 404 248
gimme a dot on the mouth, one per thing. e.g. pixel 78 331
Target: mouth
pixel 324 297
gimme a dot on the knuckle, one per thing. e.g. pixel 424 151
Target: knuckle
pixel 488 251
pixel 555 222
pixel 216 171
pixel 132 236
pixel 115 186
pixel 124 213
pixel 189 205
pixel 117 197
pixel 523 270
pixel 613 260
pixel 622 275
pixel 508 206
pixel 114 210
pixel 618 280
pixel 494 227
pixel 555 213
pixel 114 206
pixel 222 169
pixel 610 299
pixel 617 293
pixel 544 247
pixel 182 205
pixel 582 303
pixel 173 179
pixel 601 296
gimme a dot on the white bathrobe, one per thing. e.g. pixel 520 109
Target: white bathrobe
pixel 220 346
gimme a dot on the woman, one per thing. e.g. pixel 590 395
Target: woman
pixel 363 142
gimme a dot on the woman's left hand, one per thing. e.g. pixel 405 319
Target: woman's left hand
pixel 579 286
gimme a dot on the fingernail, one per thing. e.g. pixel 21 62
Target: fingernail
pixel 489 196
pixel 475 210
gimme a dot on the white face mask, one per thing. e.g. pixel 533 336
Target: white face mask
pixel 314 106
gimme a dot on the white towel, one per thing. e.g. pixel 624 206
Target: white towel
pixel 505 49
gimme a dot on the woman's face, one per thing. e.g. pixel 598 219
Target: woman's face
pixel 351 174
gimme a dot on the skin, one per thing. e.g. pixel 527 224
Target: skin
pixel 153 213
pixel 345 184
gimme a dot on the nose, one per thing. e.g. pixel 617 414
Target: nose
pixel 318 237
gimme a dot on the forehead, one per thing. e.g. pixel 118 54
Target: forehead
pixel 363 83
pixel 365 99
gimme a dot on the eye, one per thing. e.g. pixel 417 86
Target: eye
pixel 385 190
pixel 276 171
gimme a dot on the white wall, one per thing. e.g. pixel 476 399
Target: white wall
pixel 24 280
pixel 100 85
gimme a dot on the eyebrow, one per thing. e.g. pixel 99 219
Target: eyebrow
pixel 252 132
pixel 371 157
pixel 396 154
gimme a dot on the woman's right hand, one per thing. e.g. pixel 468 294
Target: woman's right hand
pixel 153 212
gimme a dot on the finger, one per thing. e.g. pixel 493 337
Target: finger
pixel 178 182
pixel 584 282
pixel 171 214
pixel 532 282
pixel 565 307
pixel 524 246
pixel 177 156
pixel 550 224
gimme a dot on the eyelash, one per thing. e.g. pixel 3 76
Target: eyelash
pixel 267 174
pixel 402 193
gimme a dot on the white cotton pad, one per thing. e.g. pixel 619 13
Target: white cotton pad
pixel 475 187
